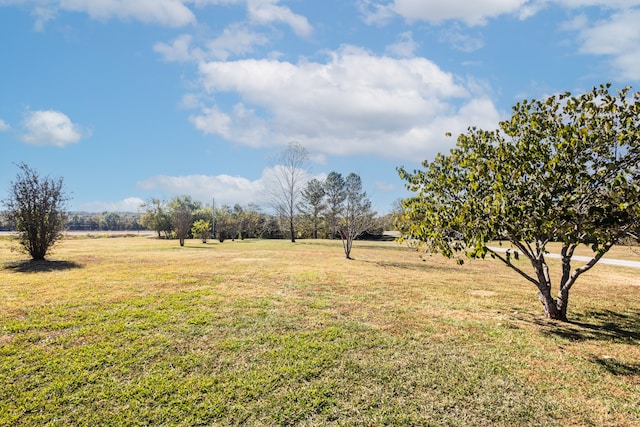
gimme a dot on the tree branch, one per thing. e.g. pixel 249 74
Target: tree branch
pixel 526 250
pixel 509 264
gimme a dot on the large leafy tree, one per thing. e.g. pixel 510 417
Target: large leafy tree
pixel 36 207
pixel 563 169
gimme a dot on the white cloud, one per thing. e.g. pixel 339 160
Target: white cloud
pixel 50 127
pixel 607 4
pixel 226 189
pixel 242 125
pixel 617 37
pixel 130 204
pixel 236 40
pixel 179 50
pixel 268 11
pixel 436 11
pixel 171 13
pixel 355 103
pixel 4 126
pixel 43 15
pixel 375 13
pixel 459 40
pixel 404 47
pixel 472 13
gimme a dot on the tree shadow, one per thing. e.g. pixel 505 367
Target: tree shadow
pixel 608 326
pixel 603 325
pixel 41 266
pixel 410 265
pixel 615 367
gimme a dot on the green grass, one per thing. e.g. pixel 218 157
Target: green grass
pixel 138 331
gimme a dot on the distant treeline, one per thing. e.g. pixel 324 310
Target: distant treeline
pixel 238 222
pixel 91 221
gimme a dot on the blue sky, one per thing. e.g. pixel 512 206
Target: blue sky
pixel 133 99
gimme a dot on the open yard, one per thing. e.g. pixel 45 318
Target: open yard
pixel 138 331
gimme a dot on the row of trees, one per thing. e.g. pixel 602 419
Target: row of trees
pixel 111 221
pixel 335 207
pixel 182 217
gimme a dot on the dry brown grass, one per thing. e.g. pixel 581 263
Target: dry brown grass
pixel 401 338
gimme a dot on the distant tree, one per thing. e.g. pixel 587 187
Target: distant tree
pixel 313 203
pixel 253 220
pixel 132 222
pixel 111 221
pixel 201 229
pixel 224 226
pixel 36 207
pixel 289 180
pixel 357 216
pixel 334 188
pixel 182 209
pixel 238 222
pixel 76 223
pixel 156 217
pixel 203 213
pixel 271 228
pixel 564 169
pixel 94 222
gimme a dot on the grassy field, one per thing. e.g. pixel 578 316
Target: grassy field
pixel 137 331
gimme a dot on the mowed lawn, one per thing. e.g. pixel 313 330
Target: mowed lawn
pixel 138 331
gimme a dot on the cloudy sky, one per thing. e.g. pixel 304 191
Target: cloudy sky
pixel 133 99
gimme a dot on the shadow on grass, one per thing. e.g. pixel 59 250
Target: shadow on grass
pixel 41 266
pixel 410 265
pixel 616 367
pixel 604 325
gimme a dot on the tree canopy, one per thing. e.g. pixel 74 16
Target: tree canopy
pixel 36 206
pixel 182 209
pixel 157 217
pixel 563 169
pixel 335 194
pixel 313 203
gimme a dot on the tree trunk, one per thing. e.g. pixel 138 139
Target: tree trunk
pixel 553 309
pixel 292 230
pixel 562 303
pixel 347 243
